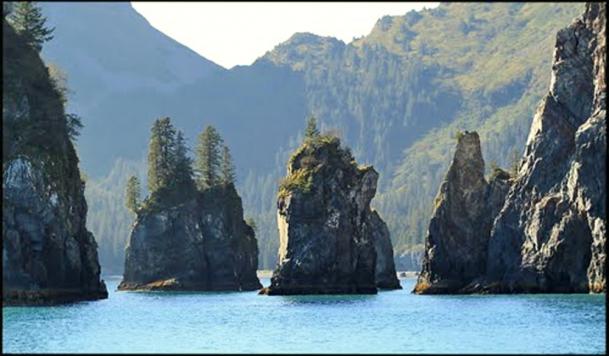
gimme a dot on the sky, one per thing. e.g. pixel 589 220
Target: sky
pixel 236 33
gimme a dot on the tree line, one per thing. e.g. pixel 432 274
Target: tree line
pixel 170 168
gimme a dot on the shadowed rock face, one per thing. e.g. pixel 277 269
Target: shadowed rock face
pixel 200 244
pixel 48 255
pixel 328 233
pixel 385 273
pixel 550 236
pixel 456 246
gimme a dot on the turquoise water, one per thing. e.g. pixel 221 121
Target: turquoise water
pixel 394 321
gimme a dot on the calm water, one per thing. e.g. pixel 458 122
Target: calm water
pixel 394 321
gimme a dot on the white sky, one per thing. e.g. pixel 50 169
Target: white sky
pixel 232 33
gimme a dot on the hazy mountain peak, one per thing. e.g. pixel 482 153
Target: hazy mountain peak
pixel 303 48
pixel 89 35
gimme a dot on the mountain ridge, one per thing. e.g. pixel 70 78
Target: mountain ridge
pixel 395 100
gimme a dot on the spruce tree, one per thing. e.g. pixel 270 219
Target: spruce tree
pixel 74 125
pixel 208 158
pixel 311 132
pixel 132 194
pixel 161 154
pixel 26 17
pixel 182 175
pixel 227 169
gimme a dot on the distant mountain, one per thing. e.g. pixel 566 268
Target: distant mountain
pixel 110 52
pixel 395 96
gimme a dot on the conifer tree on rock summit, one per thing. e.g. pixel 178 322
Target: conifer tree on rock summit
pixel 28 21
pixel 187 237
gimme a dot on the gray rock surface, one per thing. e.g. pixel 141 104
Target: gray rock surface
pixel 385 273
pixel 550 236
pixel 456 245
pixel 328 233
pixel 201 243
pixel 48 255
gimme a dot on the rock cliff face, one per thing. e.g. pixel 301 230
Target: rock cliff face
pixel 456 246
pixel 202 243
pixel 328 234
pixel 48 255
pixel 550 236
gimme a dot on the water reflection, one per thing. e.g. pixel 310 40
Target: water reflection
pixel 334 299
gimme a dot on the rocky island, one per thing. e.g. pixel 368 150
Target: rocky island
pixel 189 235
pixel 331 241
pixel 549 234
pixel 457 244
pixel 48 255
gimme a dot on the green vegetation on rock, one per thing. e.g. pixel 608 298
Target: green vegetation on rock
pixel 132 194
pixel 227 169
pixel 308 159
pixel 208 157
pixel 27 19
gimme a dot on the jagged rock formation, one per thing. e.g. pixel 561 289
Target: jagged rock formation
pixel 48 255
pixel 456 246
pixel 327 230
pixel 550 236
pixel 200 243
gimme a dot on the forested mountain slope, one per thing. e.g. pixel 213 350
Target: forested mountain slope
pixel 399 94
pixel 396 96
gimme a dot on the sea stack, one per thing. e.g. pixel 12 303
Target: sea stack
pixel 550 236
pixel 328 233
pixel 201 244
pixel 48 255
pixel 457 241
pixel 189 234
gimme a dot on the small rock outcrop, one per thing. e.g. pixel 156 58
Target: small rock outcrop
pixel 48 255
pixel 328 234
pixel 199 243
pixel 550 237
pixel 457 243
